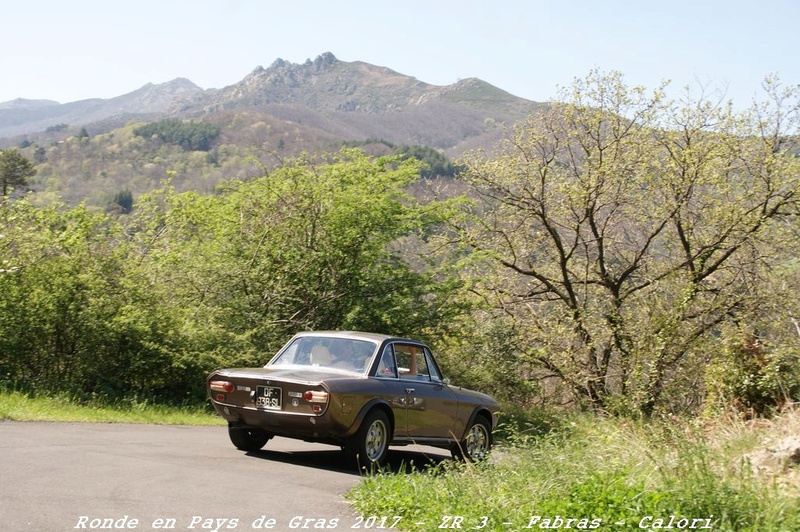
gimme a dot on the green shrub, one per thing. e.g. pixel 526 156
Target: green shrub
pixel 750 377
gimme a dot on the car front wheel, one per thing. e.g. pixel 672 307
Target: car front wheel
pixel 368 447
pixel 476 443
pixel 247 438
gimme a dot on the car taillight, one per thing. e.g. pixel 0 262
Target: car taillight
pixel 315 396
pixel 221 386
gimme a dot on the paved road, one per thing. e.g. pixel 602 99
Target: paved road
pixel 82 476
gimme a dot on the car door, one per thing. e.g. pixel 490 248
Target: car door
pixel 431 407
pixel 392 390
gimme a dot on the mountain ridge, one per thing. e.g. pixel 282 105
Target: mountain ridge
pixel 323 86
pixel 21 116
pixel 92 150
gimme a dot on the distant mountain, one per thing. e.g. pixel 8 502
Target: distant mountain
pixel 329 85
pixel 336 99
pixel 92 150
pixel 23 104
pixel 356 100
pixel 20 116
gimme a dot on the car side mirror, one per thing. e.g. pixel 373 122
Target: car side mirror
pixel 446 380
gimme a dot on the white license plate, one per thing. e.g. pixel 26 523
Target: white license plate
pixel 268 397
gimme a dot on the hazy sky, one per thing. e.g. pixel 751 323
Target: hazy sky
pixel 77 49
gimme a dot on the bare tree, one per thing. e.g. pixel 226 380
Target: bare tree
pixel 622 229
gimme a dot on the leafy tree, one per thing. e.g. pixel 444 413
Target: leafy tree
pixel 15 169
pixel 191 136
pixel 56 128
pixel 122 201
pixel 191 282
pixel 309 246
pixel 39 155
pixel 75 314
pixel 435 163
pixel 620 230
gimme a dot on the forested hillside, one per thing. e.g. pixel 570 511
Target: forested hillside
pixel 617 251
pixel 192 155
pixel 95 150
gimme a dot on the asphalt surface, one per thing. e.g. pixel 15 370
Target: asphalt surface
pixel 83 476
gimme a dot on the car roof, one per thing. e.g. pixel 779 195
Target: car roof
pixel 356 335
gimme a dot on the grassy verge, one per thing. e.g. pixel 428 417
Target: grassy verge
pixel 600 474
pixel 17 406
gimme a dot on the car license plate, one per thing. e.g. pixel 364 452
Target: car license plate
pixel 268 397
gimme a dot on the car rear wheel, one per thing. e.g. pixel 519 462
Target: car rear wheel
pixel 247 438
pixel 368 447
pixel 476 443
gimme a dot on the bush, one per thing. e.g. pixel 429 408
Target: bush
pixel 750 377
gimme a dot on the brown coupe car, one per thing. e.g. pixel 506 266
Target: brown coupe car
pixel 361 391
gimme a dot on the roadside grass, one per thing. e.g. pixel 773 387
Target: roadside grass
pixel 19 406
pixel 598 473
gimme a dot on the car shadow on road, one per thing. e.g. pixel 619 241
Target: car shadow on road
pixel 398 460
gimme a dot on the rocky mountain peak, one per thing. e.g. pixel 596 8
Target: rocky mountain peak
pixel 324 61
pixel 342 98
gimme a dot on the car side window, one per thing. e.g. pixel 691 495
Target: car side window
pixel 432 368
pixel 412 363
pixel 387 367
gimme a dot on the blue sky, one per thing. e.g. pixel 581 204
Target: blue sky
pixel 78 49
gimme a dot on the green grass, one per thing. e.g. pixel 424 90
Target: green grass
pixel 603 474
pixel 18 406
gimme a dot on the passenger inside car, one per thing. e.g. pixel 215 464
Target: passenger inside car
pixel 320 356
pixel 386 366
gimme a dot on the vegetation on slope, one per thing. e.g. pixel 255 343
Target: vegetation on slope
pixel 620 252
pixel 149 303
pixel 589 472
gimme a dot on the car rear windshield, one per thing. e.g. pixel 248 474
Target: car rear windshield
pixel 325 352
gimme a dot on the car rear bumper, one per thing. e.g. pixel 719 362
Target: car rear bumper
pixel 302 426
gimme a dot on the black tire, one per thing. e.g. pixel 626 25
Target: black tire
pixel 476 443
pixel 369 446
pixel 247 438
